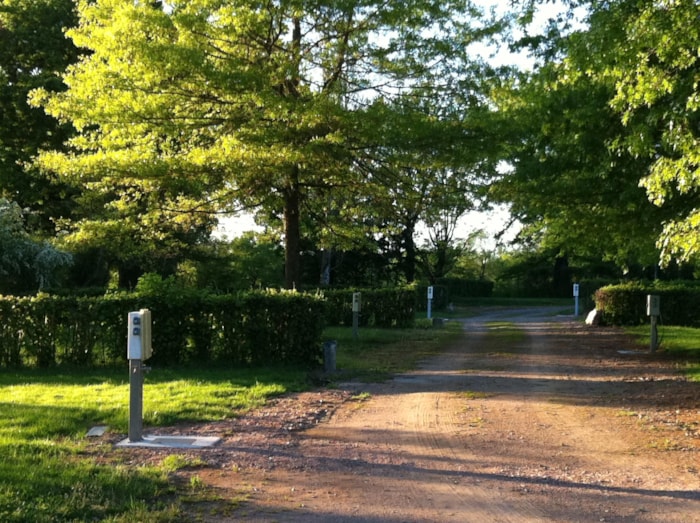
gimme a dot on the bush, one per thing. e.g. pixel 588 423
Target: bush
pixel 188 326
pixel 465 288
pixel 625 304
pixel 380 307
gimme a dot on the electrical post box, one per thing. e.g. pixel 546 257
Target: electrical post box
pixel 356 302
pixel 653 305
pixel 139 335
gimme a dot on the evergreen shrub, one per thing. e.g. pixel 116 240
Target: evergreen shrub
pixel 188 327
pixel 390 307
pixel 466 288
pixel 625 304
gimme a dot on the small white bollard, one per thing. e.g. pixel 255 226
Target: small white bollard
pixel 356 307
pixel 430 302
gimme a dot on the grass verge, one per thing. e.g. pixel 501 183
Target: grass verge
pixel 376 354
pixel 48 475
pixel 45 474
pixel 682 343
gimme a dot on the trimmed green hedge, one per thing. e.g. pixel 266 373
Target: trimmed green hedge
pixel 465 288
pixel 253 328
pixel 625 304
pixel 380 307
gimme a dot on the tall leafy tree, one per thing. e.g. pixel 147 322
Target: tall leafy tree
pixel 202 105
pixel 573 186
pixel 34 51
pixel 656 70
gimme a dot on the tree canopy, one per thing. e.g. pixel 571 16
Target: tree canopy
pixel 33 53
pixel 192 107
pixel 603 134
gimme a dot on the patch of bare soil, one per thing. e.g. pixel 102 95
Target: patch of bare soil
pixel 570 424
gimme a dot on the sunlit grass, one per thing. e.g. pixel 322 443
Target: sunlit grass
pixel 378 353
pixel 44 416
pixel 682 343
pixel 504 337
pixel 47 472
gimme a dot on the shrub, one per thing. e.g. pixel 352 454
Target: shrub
pixel 380 307
pixel 625 304
pixel 188 326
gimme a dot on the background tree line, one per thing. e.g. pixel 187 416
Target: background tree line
pixel 128 129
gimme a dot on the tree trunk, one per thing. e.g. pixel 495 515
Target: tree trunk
pixel 326 260
pixel 292 233
pixel 410 258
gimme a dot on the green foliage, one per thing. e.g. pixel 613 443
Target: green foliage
pixel 250 261
pixel 25 265
pixel 570 188
pixel 467 288
pixel 625 304
pixel 380 307
pixel 288 106
pixel 33 52
pixel 189 326
pixel 658 97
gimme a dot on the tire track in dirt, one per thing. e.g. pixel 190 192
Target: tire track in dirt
pixel 531 433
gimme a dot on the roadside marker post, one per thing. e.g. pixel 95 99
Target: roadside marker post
pixel 430 302
pixel 654 311
pixel 138 350
pixel 356 307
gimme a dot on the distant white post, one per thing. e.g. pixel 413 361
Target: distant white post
pixel 430 302
pixel 576 293
pixel 356 307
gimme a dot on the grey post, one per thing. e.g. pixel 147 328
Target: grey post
pixel 135 400
pixel 356 307
pixel 654 311
pixel 138 349
pixel 430 302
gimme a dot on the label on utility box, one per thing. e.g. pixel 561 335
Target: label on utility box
pixel 356 302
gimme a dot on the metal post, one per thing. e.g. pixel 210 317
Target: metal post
pixel 654 334
pixel 356 308
pixel 135 400
pixel 355 324
pixel 654 311
pixel 430 302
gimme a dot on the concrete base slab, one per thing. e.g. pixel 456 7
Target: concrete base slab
pixel 172 442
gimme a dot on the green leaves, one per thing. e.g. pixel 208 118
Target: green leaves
pixel 656 83
pixel 205 105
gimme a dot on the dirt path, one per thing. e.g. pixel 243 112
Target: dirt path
pixel 562 425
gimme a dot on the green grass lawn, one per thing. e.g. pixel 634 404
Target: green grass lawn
pixel 682 343
pixel 47 475
pixel 376 354
pixel 44 416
